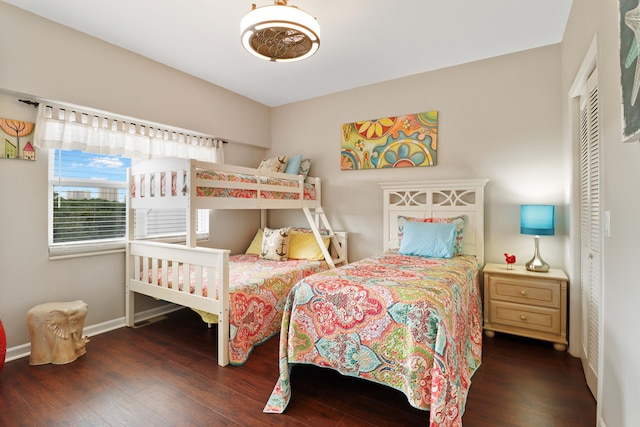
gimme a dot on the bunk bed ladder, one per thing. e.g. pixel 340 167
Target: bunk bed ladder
pixel 318 221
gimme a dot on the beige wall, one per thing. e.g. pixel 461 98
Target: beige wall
pixel 619 373
pixel 498 119
pixel 504 118
pixel 55 62
pixel 60 64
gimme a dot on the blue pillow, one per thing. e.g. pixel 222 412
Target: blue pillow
pixel 293 165
pixel 428 239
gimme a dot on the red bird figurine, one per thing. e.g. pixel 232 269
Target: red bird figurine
pixel 511 259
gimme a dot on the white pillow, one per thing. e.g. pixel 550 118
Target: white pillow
pixel 275 244
pixel 275 164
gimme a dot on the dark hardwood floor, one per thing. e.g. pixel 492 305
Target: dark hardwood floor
pixel 166 374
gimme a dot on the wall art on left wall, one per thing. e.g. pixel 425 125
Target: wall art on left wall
pixel 17 139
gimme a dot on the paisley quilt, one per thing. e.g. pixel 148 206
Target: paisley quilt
pixel 412 323
pixel 258 289
pixel 309 189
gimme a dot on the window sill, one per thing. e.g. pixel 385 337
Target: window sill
pixel 64 251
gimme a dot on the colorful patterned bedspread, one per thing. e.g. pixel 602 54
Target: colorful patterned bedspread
pixel 258 289
pixel 412 323
pixel 309 189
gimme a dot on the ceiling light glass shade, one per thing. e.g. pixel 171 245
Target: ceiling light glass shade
pixel 280 33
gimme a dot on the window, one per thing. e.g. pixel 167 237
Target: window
pixel 87 206
pixel 87 192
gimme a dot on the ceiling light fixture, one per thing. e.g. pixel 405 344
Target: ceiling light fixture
pixel 280 33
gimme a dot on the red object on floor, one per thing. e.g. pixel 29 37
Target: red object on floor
pixel 3 345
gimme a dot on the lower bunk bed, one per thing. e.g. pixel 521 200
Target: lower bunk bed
pixel 409 318
pixel 243 294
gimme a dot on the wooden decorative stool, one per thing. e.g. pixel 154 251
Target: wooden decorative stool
pixel 56 332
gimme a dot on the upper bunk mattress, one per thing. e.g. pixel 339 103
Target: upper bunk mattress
pixel 239 192
pixel 309 189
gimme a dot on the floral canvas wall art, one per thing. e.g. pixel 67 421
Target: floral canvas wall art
pixel 390 142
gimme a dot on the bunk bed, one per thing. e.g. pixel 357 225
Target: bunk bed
pixel 409 318
pixel 217 285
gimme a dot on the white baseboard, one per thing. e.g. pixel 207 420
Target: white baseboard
pixel 24 350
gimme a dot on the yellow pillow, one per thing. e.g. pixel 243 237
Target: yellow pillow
pixel 303 245
pixel 256 244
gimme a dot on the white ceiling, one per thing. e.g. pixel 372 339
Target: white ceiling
pixel 362 41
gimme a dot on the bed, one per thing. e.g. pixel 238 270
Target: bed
pixel 408 321
pixel 244 294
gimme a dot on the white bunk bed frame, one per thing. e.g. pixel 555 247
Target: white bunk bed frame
pixel 150 187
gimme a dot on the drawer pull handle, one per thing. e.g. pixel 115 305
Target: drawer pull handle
pixel 523 317
pixel 523 293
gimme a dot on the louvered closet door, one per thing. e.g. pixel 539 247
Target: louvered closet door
pixel 590 230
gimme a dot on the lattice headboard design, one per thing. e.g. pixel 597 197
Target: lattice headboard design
pixel 437 199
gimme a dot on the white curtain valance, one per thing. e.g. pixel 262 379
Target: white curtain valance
pixel 70 128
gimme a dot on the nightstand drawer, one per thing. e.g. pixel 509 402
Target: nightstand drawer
pixel 536 318
pixel 525 291
pixel 525 303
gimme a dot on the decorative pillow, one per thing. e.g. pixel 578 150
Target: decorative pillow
pixel 305 165
pixel 428 239
pixel 256 244
pixel 457 220
pixel 275 164
pixel 303 245
pixel 293 165
pixel 275 244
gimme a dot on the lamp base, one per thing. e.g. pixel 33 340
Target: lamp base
pixel 536 263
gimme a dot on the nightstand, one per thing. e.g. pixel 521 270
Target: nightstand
pixel 526 303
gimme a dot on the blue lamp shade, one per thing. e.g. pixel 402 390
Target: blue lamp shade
pixel 537 220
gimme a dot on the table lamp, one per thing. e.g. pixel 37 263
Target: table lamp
pixel 539 221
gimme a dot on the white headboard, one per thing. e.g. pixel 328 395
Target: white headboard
pixel 437 199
